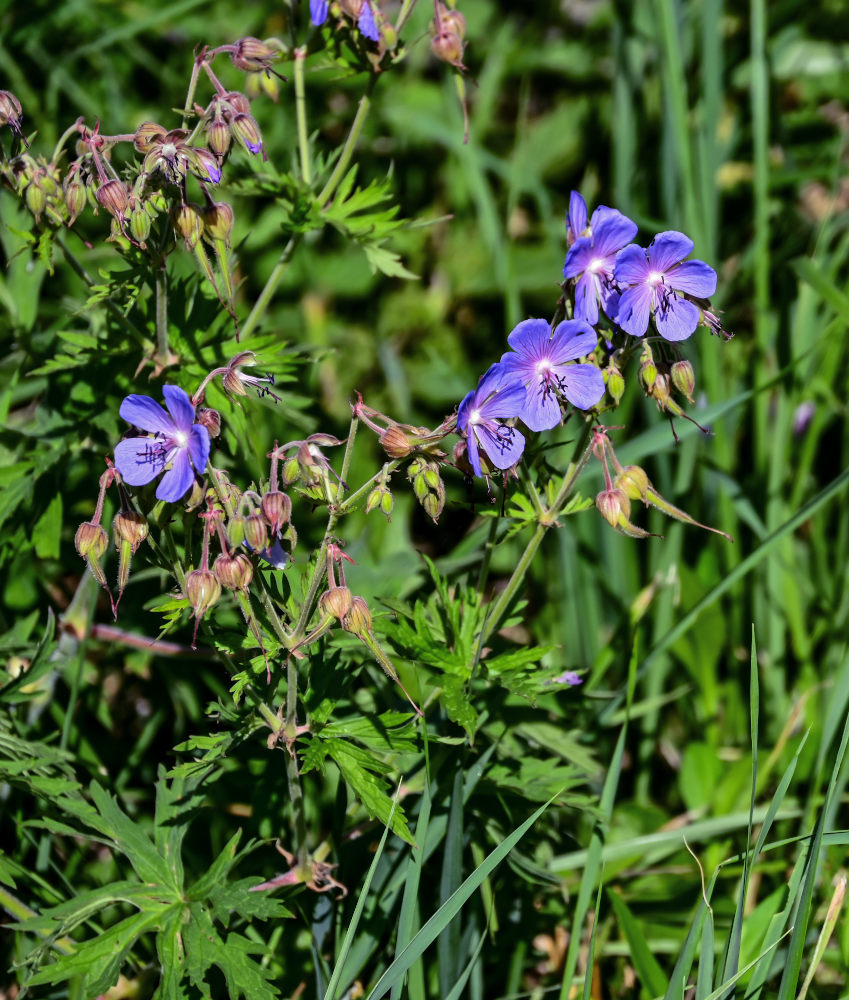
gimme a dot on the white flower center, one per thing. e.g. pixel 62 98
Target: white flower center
pixel 654 278
pixel 543 366
pixel 475 417
pixel 181 439
pixel 169 150
pixel 596 265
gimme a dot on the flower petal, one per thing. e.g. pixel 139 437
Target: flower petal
pixel 612 231
pixel 318 11
pixel 677 320
pixel 275 555
pixel 694 277
pixel 509 401
pixel 464 410
pixel 586 298
pixel 609 300
pixel 146 414
pixel 577 217
pixel 666 249
pixel 632 266
pixel 505 448
pixel 366 23
pixel 572 339
pixel 531 338
pixel 584 385
pixel 140 459
pixel 178 479
pixel 541 411
pixel 180 407
pixel 634 308
pixel 472 452
pixel 579 257
pixel 199 447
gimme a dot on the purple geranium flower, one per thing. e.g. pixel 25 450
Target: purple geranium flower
pixel 366 23
pixel 539 362
pixel 478 414
pixel 176 439
pixel 318 11
pixel 592 255
pixel 655 277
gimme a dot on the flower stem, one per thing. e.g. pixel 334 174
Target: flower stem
pixel 270 287
pixel 406 10
pixel 190 96
pixel 350 143
pixel 163 355
pixel 63 138
pixel 354 498
pixel 300 56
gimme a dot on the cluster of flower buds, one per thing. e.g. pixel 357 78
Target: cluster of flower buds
pixel 427 486
pixel 228 117
pixel 448 34
pixel 10 113
pixel 379 497
pixel 40 184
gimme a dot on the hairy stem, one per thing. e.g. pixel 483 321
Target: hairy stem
pixel 300 56
pixel 163 354
pixel 270 287
pixel 350 143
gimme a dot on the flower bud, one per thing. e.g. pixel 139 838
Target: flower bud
pixel 189 224
pixel 612 504
pixel 358 619
pixel 395 442
pixel 269 85
pixel 35 198
pixel 238 102
pixel 10 109
pixel 660 390
pixel 75 196
pixel 684 378
pixel 633 481
pixel 433 505
pixel 218 224
pixel 91 540
pixel 113 196
pixel 337 601
pixel 234 572
pixel 256 531
pixel 210 419
pixel 139 225
pixel 290 471
pixel 277 509
pixel 448 47
pixel 246 131
pixel 203 163
pixel 453 21
pixel 236 530
pixel 130 526
pixel 148 134
pixel 648 374
pixel 218 136
pixel 615 383
pixel 252 54
pixel 202 590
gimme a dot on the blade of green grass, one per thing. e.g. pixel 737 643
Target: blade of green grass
pixel 448 943
pixel 649 972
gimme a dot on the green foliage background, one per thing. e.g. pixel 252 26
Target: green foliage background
pixel 728 121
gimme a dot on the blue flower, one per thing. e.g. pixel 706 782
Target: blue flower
pixel 654 279
pixel 540 363
pixel 366 24
pixel 176 441
pixel 592 255
pixel 478 416
pixel 318 11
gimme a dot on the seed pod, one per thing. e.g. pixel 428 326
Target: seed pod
pixel 202 590
pixel 130 526
pixel 234 571
pixel 113 196
pixel 91 540
pixel 633 481
pixel 395 442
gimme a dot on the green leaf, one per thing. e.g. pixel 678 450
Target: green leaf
pixel 368 788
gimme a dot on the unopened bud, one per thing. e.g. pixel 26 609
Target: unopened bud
pixel 139 225
pixel 218 136
pixel 453 21
pixel 290 471
pixel 210 419
pixel 277 509
pixel 252 54
pixel 189 224
pixel 218 222
pixel 358 619
pixel 395 442
pixel 246 131
pixel 433 505
pixel 615 384
pixel 75 197
pixel 648 374
pixel 256 531
pixel 202 590
pixel 612 504
pixel 236 530
pixel 660 391
pixel 238 102
pixel 10 109
pixel 684 378
pixel 633 481
pixel 130 526
pixel 337 601
pixel 204 164
pixel 91 540
pixel 35 199
pixel 113 196
pixel 234 572
pixel 148 134
pixel 448 47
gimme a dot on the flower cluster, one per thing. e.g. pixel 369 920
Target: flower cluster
pixel 606 277
pixel 361 12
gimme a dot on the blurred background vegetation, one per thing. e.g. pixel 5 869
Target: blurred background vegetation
pixel 728 121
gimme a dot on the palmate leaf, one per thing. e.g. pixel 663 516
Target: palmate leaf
pixel 231 953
